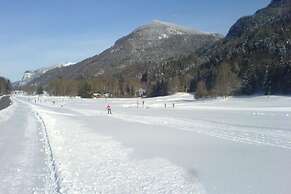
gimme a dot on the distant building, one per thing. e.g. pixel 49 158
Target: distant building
pixel 97 95
pixel 107 95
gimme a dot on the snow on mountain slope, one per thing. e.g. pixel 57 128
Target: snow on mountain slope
pixel 166 28
pixel 29 76
pixel 235 145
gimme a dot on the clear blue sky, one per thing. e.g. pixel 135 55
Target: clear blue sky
pixel 38 33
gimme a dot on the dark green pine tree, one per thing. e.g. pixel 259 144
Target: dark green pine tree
pixel 39 90
pixel 85 90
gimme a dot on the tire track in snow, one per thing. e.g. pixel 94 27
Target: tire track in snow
pixel 52 164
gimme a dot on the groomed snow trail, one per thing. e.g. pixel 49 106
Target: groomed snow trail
pixel 23 159
pixel 91 163
pixel 222 146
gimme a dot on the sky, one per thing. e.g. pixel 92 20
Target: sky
pixel 40 33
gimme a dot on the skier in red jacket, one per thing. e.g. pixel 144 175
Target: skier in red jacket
pixel 108 107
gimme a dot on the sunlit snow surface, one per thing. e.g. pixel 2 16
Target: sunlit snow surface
pixel 234 145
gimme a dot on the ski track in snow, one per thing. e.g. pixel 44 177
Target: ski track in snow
pixel 90 163
pixel 276 138
pixel 24 169
pixel 231 132
pixel 83 161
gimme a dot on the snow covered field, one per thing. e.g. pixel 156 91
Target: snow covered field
pixel 220 146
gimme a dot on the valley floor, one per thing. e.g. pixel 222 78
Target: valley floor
pixel 222 146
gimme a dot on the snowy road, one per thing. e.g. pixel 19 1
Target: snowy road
pixel 240 145
pixel 23 161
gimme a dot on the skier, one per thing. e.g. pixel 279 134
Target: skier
pixel 108 107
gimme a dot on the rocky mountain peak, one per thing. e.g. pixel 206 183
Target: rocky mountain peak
pixel 30 75
pixel 157 41
pixel 164 29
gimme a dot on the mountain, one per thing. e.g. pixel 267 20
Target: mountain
pixel 254 57
pixel 151 43
pixel 29 76
pixel 133 54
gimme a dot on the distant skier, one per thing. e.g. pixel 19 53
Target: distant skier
pixel 173 105
pixel 165 105
pixel 108 107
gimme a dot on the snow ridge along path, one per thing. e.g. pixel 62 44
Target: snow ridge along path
pixel 51 162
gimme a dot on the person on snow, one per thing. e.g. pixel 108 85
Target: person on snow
pixel 108 107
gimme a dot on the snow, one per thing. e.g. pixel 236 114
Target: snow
pixel 67 64
pixel 163 36
pixel 31 75
pixel 23 156
pixel 176 29
pixel 162 30
pixel 224 145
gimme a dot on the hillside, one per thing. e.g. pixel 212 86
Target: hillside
pixel 163 58
pixel 134 55
pixel 5 86
pixel 30 75
pixel 152 43
pixel 254 57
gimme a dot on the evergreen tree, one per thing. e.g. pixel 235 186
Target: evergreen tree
pixel 39 90
pixel 267 82
pixel 226 82
pixel 5 86
pixel 160 88
pixel 85 89
pixel 201 90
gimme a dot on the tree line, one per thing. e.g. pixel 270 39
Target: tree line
pixel 5 86
pixel 178 75
pixel 163 79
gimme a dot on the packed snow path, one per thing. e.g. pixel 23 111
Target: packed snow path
pixel 23 160
pixel 240 145
pixel 91 162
